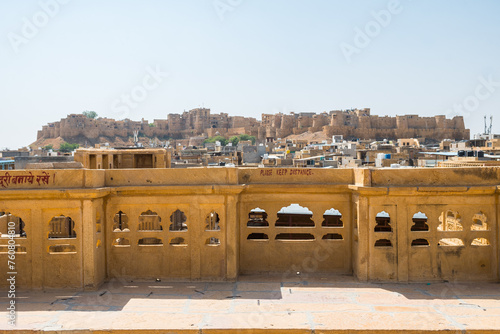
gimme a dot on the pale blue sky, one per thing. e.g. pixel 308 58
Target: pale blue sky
pixel 257 56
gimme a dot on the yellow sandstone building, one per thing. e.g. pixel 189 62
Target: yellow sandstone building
pixel 77 228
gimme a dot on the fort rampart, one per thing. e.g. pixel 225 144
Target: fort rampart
pixel 197 122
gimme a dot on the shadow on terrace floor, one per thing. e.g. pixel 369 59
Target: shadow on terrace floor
pixel 179 297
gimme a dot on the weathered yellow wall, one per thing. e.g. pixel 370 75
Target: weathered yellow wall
pixel 404 262
pixel 39 268
pixel 92 196
pixel 157 177
pixel 295 256
pixel 51 179
pixel 294 176
pixel 191 261
pixel 417 177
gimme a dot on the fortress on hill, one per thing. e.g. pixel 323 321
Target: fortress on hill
pixel 352 124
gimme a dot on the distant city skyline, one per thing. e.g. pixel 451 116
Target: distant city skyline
pixel 131 59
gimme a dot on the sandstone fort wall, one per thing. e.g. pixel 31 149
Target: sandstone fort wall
pixel 198 122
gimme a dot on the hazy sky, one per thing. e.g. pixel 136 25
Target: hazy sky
pixel 145 59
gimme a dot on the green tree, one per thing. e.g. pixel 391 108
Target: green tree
pixel 245 137
pixel 90 114
pixel 223 141
pixel 48 147
pixel 66 147
pixel 234 140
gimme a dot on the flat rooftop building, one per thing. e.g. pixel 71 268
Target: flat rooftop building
pixel 123 158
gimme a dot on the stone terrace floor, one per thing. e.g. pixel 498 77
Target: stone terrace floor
pixel 262 304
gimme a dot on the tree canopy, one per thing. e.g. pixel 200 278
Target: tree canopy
pixel 234 139
pixel 90 114
pixel 244 137
pixel 66 147
pixel 223 141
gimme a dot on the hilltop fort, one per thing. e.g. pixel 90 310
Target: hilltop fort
pixel 352 124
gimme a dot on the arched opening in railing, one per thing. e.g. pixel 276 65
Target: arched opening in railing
pixel 383 221
pixel 9 222
pixel 212 222
pixel 294 215
pixel 149 221
pixel 419 223
pixel 257 218
pixel 480 222
pixel 258 236
pixel 61 227
pixel 450 221
pixel 120 222
pixel 332 218
pixel 178 220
